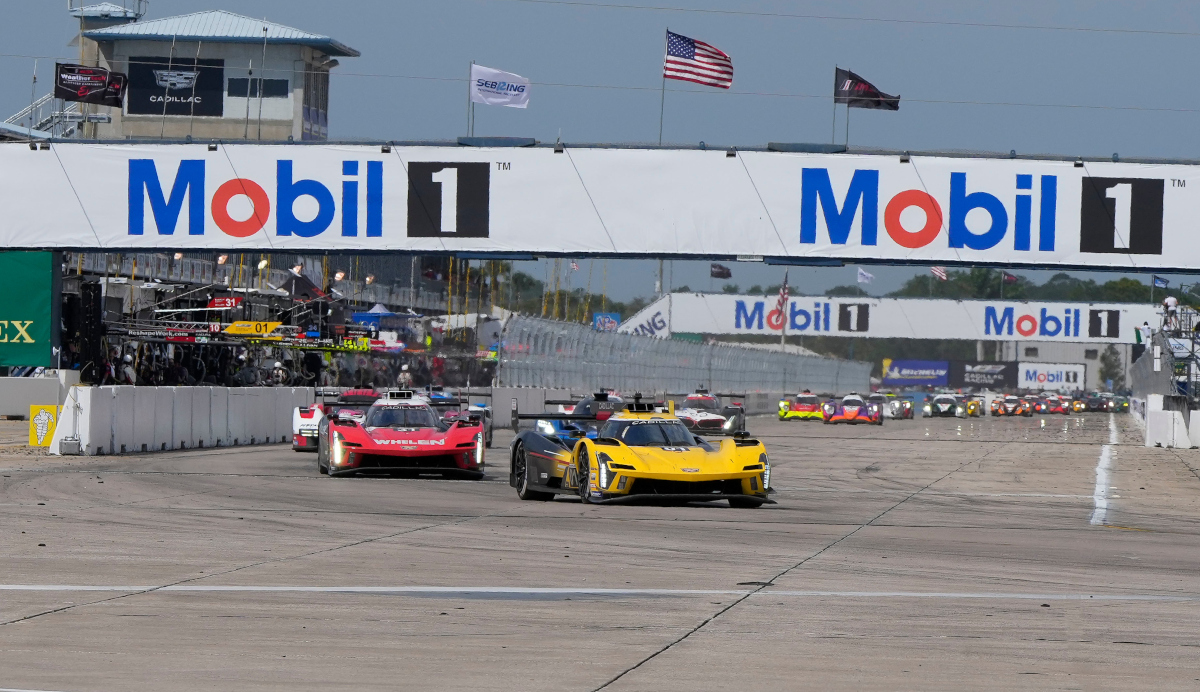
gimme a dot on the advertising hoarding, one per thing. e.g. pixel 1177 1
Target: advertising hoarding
pixel 920 373
pixel 1059 377
pixel 587 201
pixel 903 318
pixel 983 375
pixel 27 320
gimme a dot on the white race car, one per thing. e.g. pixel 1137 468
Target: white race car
pixel 306 420
pixel 703 414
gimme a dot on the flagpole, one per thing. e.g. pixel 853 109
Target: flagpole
pixel 833 124
pixel 847 125
pixel 662 103
pixel 470 105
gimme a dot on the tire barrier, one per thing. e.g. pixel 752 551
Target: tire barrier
pixel 126 419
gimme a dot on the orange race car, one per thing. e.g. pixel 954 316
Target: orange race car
pixel 1011 405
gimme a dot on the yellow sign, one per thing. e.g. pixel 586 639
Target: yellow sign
pixel 42 421
pixel 252 328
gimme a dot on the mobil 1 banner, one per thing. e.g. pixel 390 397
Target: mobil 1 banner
pixel 1059 377
pixel 176 86
pixel 886 318
pixel 980 375
pixel 588 200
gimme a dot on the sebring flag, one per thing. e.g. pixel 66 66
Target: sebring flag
pixel 690 60
pixel 498 88
pixel 865 277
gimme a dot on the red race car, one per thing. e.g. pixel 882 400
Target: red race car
pixel 401 433
pixel 1054 404
pixel 852 409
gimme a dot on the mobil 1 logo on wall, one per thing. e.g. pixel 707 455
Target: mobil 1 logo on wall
pixel 448 199
pixel 1121 215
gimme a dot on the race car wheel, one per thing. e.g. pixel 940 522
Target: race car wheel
pixel 521 470
pixel 585 470
pixel 744 503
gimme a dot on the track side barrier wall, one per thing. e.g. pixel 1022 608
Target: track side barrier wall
pixel 549 354
pixel 123 419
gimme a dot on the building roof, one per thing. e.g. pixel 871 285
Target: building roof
pixel 219 26
pixel 106 10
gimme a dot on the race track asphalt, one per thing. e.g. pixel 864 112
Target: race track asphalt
pixel 926 554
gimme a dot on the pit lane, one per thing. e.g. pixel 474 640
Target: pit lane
pixel 933 553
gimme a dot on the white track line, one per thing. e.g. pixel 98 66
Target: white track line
pixel 1103 465
pixel 451 591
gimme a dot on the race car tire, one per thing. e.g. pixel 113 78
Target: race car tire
pixel 585 478
pixel 745 503
pixel 520 462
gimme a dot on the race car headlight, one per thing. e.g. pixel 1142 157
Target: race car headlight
pixel 766 464
pixel 828 408
pixel 928 408
pixel 606 476
pixel 478 448
pixel 544 427
pixel 335 454
pixel 729 422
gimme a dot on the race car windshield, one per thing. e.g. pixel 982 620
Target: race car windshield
pixel 808 400
pixel 705 403
pixel 347 410
pixel 401 417
pixel 852 401
pixel 945 400
pixel 649 434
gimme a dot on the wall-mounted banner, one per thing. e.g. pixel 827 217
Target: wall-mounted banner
pixel 588 201
pixel 908 373
pixel 904 318
pixel 606 321
pixel 1055 377
pixel 176 86
pixel 975 375
pixel 27 318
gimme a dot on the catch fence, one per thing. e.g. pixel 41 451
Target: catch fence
pixel 545 353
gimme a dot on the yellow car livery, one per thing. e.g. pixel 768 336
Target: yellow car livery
pixel 803 407
pixel 643 453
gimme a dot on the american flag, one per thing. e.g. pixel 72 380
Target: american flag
pixel 781 305
pixel 939 272
pixel 574 266
pixel 690 60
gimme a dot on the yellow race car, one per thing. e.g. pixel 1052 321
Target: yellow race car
pixel 640 453
pixel 974 407
pixel 806 406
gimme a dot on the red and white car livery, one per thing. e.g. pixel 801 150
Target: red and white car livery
pixel 306 420
pixel 703 414
pixel 401 433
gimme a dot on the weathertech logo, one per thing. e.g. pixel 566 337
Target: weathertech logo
pixel 1121 215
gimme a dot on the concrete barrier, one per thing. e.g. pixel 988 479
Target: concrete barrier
pixel 17 394
pixel 113 420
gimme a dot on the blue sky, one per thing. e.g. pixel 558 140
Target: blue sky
pixel 596 73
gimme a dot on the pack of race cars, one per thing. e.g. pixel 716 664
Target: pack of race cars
pixel 604 448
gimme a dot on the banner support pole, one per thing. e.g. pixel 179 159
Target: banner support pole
pixel 32 94
pixel 847 125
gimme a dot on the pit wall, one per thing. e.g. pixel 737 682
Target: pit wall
pixel 1166 421
pixel 123 419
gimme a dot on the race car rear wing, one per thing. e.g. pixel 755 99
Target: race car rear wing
pixel 636 405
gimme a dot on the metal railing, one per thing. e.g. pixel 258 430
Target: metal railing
pixel 544 353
